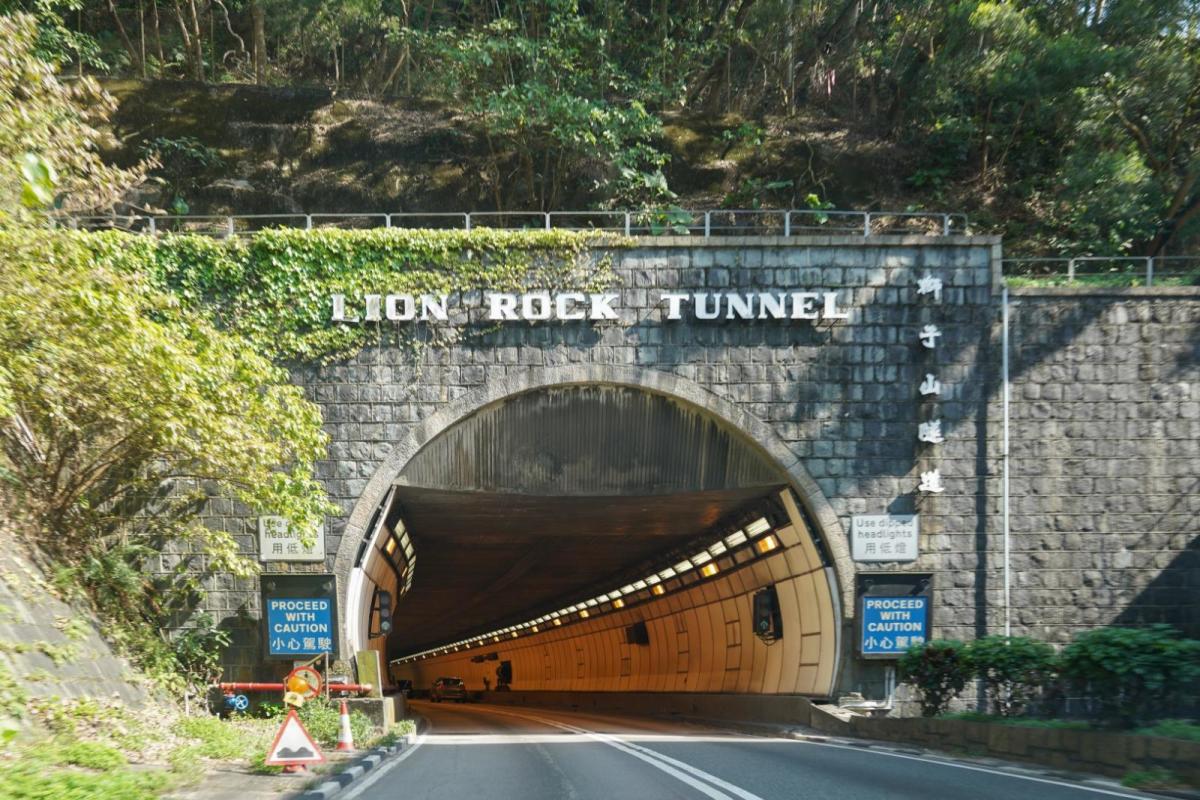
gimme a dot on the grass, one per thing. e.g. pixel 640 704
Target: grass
pixel 1153 779
pixel 1024 722
pixel 1173 729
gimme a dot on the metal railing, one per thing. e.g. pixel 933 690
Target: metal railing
pixel 1105 270
pixel 650 222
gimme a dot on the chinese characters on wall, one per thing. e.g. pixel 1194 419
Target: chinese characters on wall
pixel 929 431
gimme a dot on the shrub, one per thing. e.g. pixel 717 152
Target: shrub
pixel 322 719
pixel 1013 670
pixel 1132 672
pixel 939 670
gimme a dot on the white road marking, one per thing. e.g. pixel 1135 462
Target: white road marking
pixel 972 767
pixel 677 769
pixel 372 778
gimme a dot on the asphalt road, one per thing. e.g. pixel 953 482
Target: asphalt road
pixel 500 752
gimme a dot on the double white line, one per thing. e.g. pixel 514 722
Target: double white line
pixel 704 782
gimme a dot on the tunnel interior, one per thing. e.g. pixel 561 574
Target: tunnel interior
pixel 581 513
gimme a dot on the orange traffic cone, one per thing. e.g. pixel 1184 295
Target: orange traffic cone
pixel 345 737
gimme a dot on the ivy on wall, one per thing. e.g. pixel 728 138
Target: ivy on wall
pixel 274 288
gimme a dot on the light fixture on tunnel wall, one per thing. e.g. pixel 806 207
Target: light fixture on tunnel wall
pixel 657 590
pixel 766 544
pixel 557 622
pixel 758 526
pixel 766 617
pixel 708 570
pixel 618 603
pixel 583 613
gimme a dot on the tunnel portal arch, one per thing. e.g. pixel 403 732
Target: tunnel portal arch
pixel 416 461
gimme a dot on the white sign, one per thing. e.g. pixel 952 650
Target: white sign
pixel 277 543
pixel 293 745
pixel 539 306
pixel 886 537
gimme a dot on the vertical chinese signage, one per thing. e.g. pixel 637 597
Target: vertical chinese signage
pixel 299 615
pixel 929 430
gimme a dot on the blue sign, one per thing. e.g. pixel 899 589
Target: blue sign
pixel 299 626
pixel 891 625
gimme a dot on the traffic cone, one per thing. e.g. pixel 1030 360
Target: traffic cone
pixel 345 737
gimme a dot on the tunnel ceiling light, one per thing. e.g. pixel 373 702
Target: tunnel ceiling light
pixel 667 573
pixel 683 566
pixel 535 629
pixel 766 544
pixel 495 638
pixel 701 558
pixel 618 603
pixel 717 549
pixel 595 601
pixel 653 579
pixel 709 569
pixel 627 589
pixel 639 585
pixel 658 590
pixel 736 538
pixel 583 614
pixel 758 526
pixel 390 547
pixel 514 634
pixel 557 621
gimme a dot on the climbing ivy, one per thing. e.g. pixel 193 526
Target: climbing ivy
pixel 274 288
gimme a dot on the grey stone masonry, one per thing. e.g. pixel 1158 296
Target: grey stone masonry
pixel 1105 418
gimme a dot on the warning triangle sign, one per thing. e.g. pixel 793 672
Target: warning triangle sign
pixel 293 745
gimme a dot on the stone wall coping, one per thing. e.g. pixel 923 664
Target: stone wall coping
pixel 843 240
pixel 1097 291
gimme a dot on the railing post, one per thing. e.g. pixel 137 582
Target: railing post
pixel 866 223
pixel 387 220
pixel 628 227
pixel 229 226
pixel 707 224
pixel 547 220
pixel 308 222
pixel 467 220
pixel 152 225
pixel 1149 270
pixel 945 224
pixel 787 223
pixel 1070 270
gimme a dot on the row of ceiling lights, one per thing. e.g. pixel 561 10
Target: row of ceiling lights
pixel 757 535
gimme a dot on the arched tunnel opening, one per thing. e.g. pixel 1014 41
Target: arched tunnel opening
pixel 596 538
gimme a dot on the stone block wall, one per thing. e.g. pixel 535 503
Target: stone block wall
pixel 1104 419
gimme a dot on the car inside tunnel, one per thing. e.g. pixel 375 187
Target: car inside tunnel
pixel 597 538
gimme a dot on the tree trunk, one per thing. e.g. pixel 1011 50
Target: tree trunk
pixel 258 18
pixel 157 34
pixel 130 48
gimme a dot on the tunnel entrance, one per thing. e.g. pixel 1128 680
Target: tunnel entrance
pixel 596 537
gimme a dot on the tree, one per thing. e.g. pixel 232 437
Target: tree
pixel 54 124
pixel 125 413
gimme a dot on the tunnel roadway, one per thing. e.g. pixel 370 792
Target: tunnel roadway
pixel 498 752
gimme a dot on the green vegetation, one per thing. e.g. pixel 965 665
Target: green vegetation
pixel 1153 779
pixel 1070 126
pixel 939 670
pixel 1134 673
pixel 1013 670
pixel 1173 729
pixel 1129 675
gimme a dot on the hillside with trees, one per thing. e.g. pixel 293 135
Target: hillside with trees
pixel 1071 126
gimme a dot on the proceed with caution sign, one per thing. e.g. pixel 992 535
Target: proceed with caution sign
pixel 891 625
pixel 299 626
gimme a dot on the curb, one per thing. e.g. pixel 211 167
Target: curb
pixel 335 784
